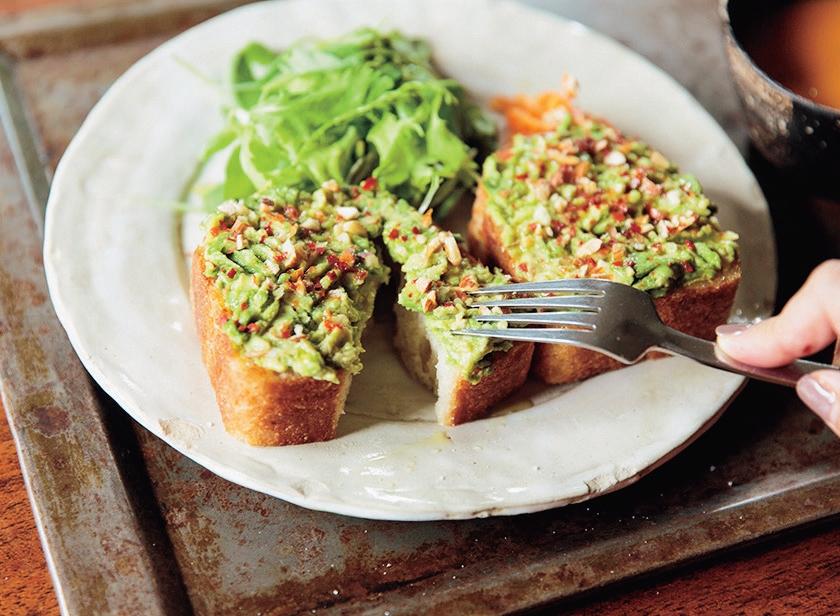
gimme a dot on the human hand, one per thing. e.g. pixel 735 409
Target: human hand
pixel 809 322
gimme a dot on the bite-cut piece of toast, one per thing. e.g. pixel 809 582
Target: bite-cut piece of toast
pixel 458 400
pixel 469 375
pixel 282 287
pixel 585 201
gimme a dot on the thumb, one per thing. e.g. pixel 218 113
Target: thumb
pixel 821 392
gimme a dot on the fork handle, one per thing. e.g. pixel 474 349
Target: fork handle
pixel 677 343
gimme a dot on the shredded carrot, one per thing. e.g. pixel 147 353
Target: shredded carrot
pixel 536 114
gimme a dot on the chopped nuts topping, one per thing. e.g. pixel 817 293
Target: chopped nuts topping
pixel 289 253
pixel 330 186
pixel 347 212
pixel 429 301
pixel 453 253
pixel 614 159
pixel 589 247
pixel 422 284
pixel 354 227
pixel 433 245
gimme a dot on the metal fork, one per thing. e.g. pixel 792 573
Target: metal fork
pixel 610 318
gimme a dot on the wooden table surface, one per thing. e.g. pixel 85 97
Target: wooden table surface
pixel 797 573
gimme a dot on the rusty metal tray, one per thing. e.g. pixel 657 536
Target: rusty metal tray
pixel 131 526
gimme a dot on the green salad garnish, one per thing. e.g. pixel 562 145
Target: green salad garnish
pixel 364 105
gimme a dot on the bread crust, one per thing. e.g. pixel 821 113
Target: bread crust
pixel 696 309
pixel 260 406
pixel 508 373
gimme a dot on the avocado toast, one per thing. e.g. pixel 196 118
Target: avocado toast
pixel 585 201
pixel 468 374
pixel 282 288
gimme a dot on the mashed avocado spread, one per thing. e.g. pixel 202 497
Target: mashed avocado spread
pixel 298 273
pixel 586 201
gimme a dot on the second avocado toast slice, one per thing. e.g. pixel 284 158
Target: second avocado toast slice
pixel 585 201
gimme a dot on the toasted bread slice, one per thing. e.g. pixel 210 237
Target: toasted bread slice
pixel 258 405
pixel 695 309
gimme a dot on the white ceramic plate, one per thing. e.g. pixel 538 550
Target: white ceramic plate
pixel 118 279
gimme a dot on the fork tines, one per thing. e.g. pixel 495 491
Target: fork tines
pixel 576 306
pixel 584 286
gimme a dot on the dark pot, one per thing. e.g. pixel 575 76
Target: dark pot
pixel 791 131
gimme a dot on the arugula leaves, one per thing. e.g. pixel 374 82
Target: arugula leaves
pixel 365 104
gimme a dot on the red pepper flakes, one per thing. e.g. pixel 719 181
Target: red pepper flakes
pixel 618 216
pixel 688 267
pixel 370 183
pixel 231 272
pixel 331 325
pixel 635 228
pixel 532 227
pixel 252 328
pixel 415 230
pixel 522 176
pixel 569 176
pixel 292 212
pixel 286 331
pixel 523 267
pixel 223 319
pixel 585 145
pixel 346 260
pixel 243 305
pixel 557 226
pixel 690 245
pixel 394 233
pixel 404 238
pixel 215 231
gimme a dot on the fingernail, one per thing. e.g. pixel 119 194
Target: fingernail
pixel 817 397
pixel 732 329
